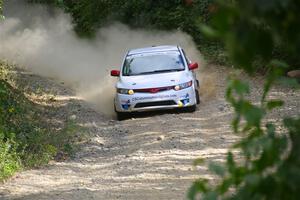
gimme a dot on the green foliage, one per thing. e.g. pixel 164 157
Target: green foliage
pixel 64 139
pixel 269 162
pixel 25 141
pixel 175 14
pixel 22 140
pixel 274 25
pixel 9 159
pixel 89 15
pixel 1 10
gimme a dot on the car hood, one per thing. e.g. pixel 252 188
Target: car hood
pixel 154 80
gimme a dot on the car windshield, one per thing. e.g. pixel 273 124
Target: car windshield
pixel 151 63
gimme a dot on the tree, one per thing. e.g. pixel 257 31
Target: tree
pixel 270 165
pixel 1 9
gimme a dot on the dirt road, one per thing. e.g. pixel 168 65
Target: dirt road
pixel 147 157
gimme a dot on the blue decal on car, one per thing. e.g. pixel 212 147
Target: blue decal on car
pixel 125 106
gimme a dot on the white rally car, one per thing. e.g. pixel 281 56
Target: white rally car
pixel 155 78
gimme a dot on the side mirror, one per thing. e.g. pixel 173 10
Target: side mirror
pixel 193 66
pixel 115 72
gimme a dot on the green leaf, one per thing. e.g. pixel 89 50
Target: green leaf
pixel 217 169
pixel 230 163
pixel 225 185
pixel 252 179
pixel 278 67
pixel 198 161
pixel 224 17
pixel 208 31
pixel 2 91
pixel 271 129
pixel 289 82
pixel 240 87
pixel 197 187
pixel 253 114
pixel 236 122
pixel 274 104
pixel 210 196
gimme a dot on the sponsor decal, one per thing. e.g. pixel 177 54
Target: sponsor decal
pixel 153 97
pixel 187 96
pixel 125 101
pixel 125 106
pixel 185 99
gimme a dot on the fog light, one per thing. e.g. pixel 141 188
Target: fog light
pixel 131 92
pixel 180 104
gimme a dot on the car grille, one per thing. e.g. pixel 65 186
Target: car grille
pixel 153 90
pixel 155 103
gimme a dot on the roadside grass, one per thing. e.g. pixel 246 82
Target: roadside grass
pixel 27 138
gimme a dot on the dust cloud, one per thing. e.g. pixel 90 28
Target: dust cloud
pixel 42 40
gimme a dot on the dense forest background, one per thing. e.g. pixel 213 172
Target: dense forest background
pixel 188 16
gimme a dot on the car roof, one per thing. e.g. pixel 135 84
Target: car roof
pixel 153 49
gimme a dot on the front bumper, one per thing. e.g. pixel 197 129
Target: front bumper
pixel 170 99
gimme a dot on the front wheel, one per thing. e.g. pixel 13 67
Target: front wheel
pixel 191 108
pixel 122 115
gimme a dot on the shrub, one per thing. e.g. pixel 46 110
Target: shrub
pixel 269 167
pixel 25 138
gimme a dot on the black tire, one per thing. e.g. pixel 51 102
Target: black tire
pixel 198 84
pixel 197 96
pixel 191 108
pixel 122 116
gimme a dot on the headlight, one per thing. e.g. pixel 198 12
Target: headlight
pixel 183 85
pixel 125 91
